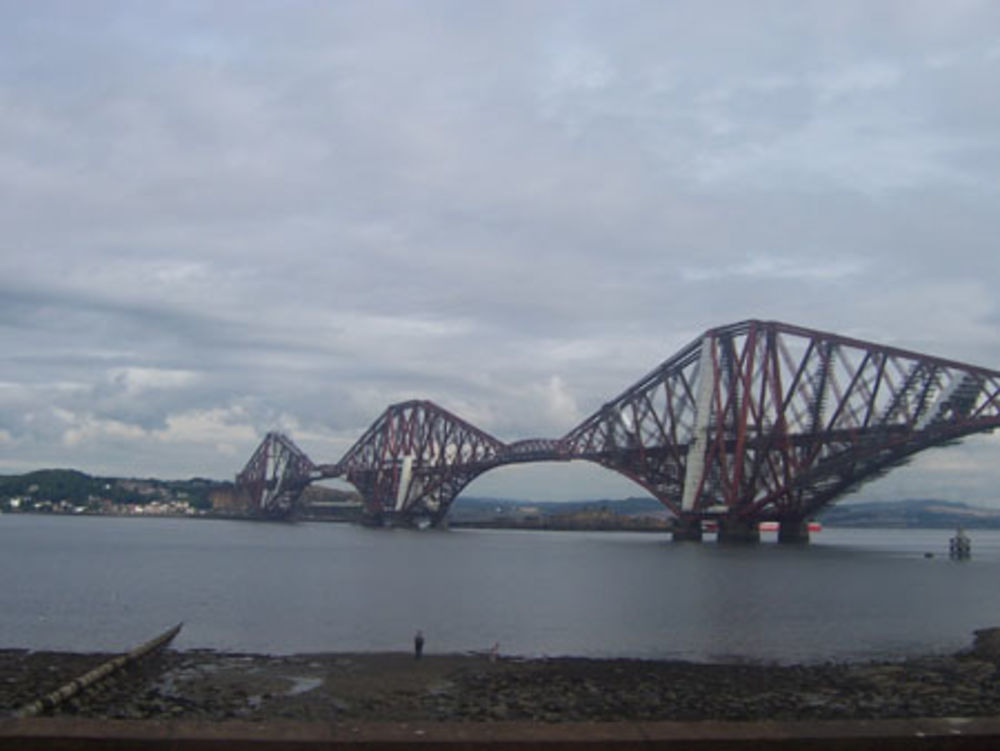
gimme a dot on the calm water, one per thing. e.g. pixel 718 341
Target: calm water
pixel 104 583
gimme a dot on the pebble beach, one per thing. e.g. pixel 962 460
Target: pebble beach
pixel 395 687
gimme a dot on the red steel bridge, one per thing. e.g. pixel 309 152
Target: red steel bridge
pixel 754 421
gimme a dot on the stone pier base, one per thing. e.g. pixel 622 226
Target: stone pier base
pixel 687 530
pixel 738 531
pixel 793 531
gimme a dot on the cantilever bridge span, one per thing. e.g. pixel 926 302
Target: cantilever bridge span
pixel 753 421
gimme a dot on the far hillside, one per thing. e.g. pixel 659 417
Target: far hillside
pixel 926 514
pixel 72 491
pixel 484 509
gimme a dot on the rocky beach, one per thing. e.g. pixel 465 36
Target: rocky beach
pixel 394 687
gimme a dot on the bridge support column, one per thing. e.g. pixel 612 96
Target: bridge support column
pixel 738 531
pixel 687 529
pixel 793 531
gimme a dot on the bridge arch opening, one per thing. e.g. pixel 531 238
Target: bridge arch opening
pixel 550 482
pixel 336 485
pixel 330 499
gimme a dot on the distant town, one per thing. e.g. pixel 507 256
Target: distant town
pixel 67 491
pixel 71 492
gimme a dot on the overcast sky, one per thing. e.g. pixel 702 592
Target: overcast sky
pixel 221 218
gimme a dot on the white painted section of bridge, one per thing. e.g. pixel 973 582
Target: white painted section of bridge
pixel 699 441
pixel 405 475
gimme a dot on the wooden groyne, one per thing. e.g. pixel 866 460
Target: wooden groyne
pixel 103 670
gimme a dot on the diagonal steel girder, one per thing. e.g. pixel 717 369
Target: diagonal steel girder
pixel 415 459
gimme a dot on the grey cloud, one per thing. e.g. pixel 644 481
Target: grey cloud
pixel 321 208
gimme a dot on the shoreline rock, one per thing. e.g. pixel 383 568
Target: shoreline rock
pixel 393 687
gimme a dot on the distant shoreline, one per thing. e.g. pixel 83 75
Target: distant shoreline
pixel 71 493
pixel 547 525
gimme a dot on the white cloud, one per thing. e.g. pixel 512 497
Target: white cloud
pixel 215 426
pixel 576 67
pixel 179 273
pixel 857 151
pixel 561 406
pixel 87 429
pixel 137 380
pixel 789 269
pixel 864 78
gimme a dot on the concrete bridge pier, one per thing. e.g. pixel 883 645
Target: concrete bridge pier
pixel 793 531
pixel 738 531
pixel 687 529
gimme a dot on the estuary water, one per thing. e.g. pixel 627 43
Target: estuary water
pixel 101 583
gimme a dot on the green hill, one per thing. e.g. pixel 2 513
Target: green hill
pixel 80 489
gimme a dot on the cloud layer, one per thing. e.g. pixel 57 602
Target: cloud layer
pixel 225 217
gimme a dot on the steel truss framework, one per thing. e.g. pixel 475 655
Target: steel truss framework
pixel 752 421
pixel 275 476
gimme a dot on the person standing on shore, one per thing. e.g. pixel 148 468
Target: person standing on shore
pixel 418 645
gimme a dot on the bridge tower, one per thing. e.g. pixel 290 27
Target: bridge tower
pixel 275 476
pixel 414 461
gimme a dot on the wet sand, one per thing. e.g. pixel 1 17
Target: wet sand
pixel 394 687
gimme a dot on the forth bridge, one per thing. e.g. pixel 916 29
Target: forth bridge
pixel 753 421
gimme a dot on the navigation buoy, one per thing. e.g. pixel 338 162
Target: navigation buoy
pixel 959 546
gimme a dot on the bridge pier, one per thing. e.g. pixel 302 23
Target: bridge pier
pixel 687 529
pixel 738 531
pixel 793 531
